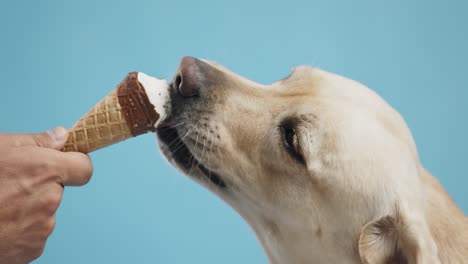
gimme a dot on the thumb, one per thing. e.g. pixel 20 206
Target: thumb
pixel 53 139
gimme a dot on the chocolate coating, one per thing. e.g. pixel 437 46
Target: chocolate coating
pixel 138 111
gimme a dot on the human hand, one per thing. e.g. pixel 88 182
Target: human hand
pixel 33 172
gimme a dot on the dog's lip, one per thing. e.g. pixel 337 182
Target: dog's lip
pixel 180 153
pixel 167 123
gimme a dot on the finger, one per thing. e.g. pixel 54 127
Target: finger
pixel 49 165
pixel 54 139
pixel 51 197
pixel 67 168
pixel 75 168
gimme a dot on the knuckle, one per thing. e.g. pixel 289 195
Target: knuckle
pixel 87 169
pixel 44 229
pixel 86 177
pixel 56 195
pixel 37 252
pixel 55 199
pixel 52 200
pixel 49 226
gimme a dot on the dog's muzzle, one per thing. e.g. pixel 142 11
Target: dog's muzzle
pixel 190 92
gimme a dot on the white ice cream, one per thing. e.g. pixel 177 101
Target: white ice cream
pixel 158 94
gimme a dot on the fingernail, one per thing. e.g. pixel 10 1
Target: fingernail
pixel 58 133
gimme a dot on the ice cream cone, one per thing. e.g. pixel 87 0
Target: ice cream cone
pixel 136 106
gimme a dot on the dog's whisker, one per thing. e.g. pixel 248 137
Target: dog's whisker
pixel 177 125
pixel 180 138
pixel 226 169
pixel 212 141
pixel 202 157
pixel 220 156
pixel 187 134
pixel 211 151
pixel 193 159
pixel 173 141
pixel 178 147
pixel 202 152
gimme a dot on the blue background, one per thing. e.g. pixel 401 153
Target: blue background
pixel 57 58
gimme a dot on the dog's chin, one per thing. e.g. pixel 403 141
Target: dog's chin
pixel 180 156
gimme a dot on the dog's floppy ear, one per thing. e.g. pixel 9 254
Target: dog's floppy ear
pixel 394 239
pixel 378 242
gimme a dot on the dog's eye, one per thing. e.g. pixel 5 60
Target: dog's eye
pixel 290 140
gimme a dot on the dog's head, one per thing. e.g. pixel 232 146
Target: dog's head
pixel 319 165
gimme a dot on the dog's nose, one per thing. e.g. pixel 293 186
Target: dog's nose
pixel 191 77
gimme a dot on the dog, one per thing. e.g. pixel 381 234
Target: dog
pixel 320 166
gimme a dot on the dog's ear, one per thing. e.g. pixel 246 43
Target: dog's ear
pixel 378 242
pixel 395 239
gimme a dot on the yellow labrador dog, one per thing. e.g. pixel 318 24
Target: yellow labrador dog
pixel 321 167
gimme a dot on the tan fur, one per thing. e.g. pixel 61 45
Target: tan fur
pixel 449 225
pixel 362 195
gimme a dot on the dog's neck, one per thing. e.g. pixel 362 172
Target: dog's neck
pixel 303 243
pixel 287 239
pixel 449 226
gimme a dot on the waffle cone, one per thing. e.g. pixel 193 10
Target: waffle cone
pixel 124 113
pixel 102 126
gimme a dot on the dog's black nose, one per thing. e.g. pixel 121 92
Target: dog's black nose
pixel 191 77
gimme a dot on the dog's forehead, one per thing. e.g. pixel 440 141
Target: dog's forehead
pixel 301 72
pixel 304 82
pixel 234 75
pixel 302 69
pixel 300 75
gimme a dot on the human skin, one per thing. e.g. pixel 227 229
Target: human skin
pixel 33 172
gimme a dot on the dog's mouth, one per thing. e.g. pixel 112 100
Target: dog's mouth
pixel 178 152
